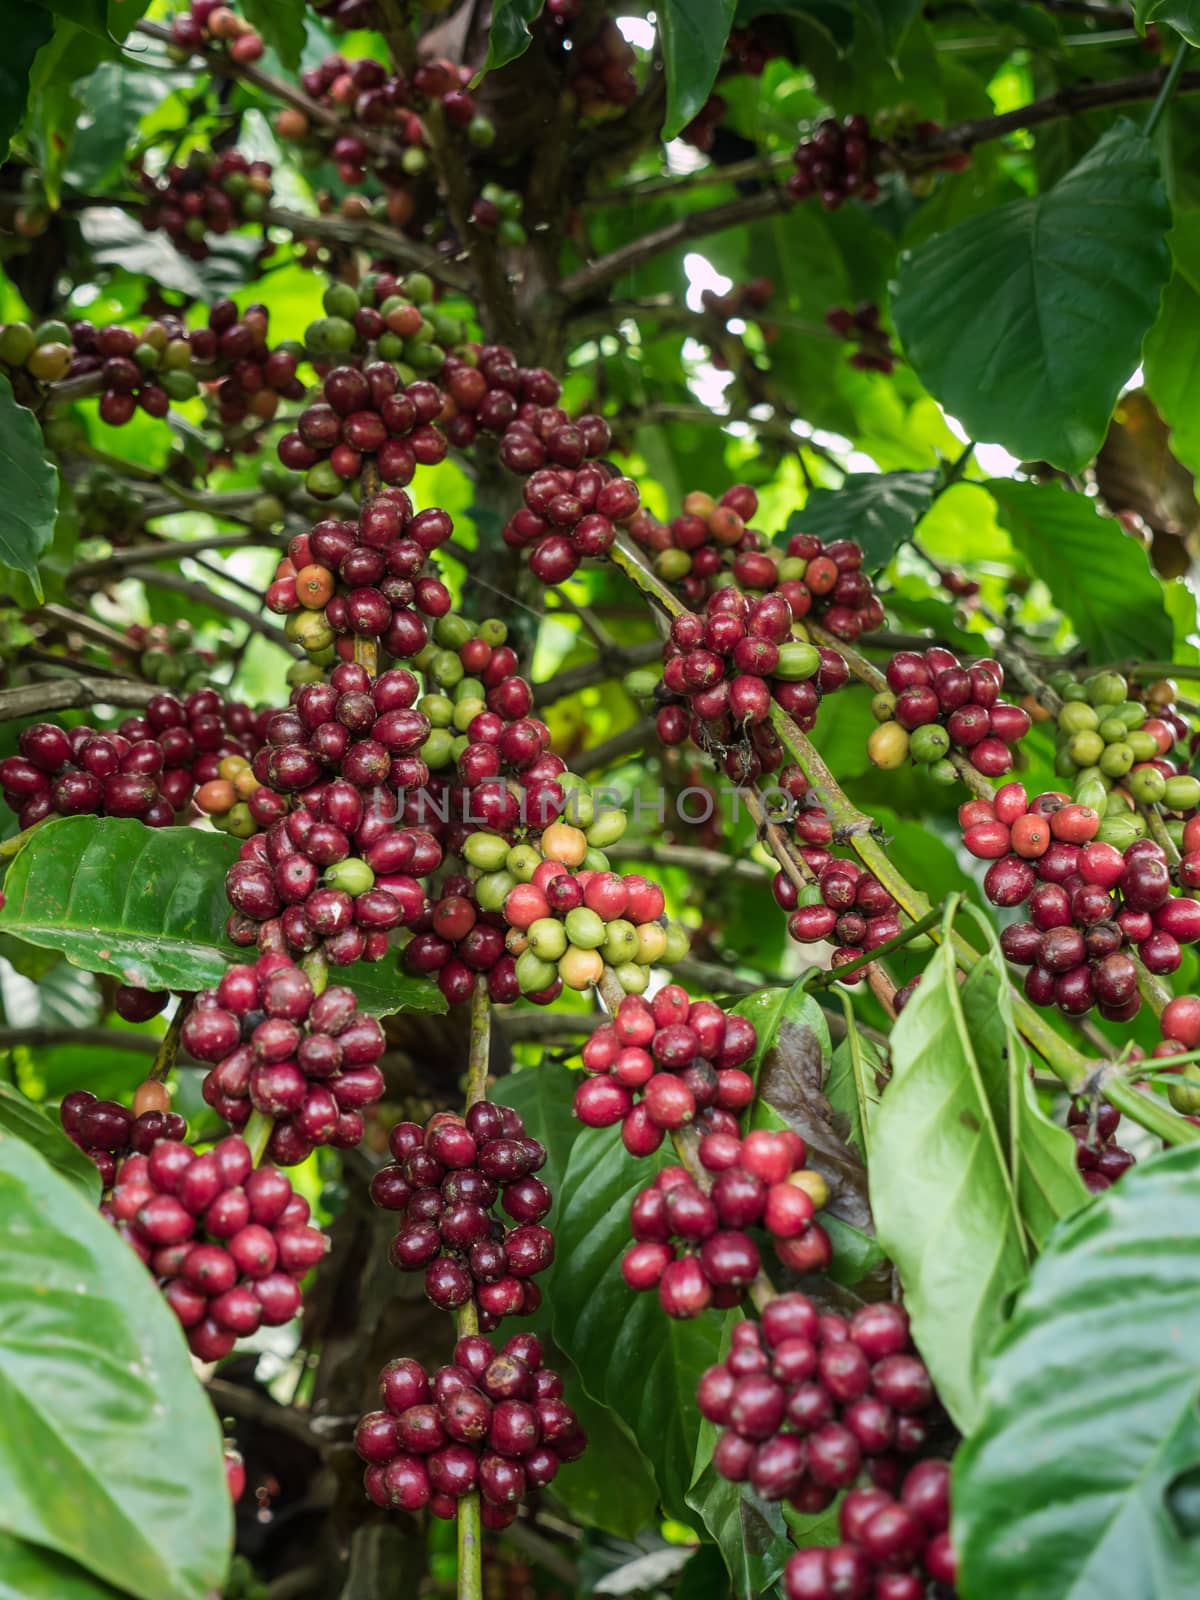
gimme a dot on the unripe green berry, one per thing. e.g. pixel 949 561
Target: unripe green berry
pixel 607 828
pixel 585 928
pixel 353 876
pixel 1147 785
pixel 929 743
pixel 534 974
pixel 797 660
pixel 678 943
pixel 883 705
pixel 522 861
pixel 632 977
pixel 1182 793
pixel 492 889
pixel 487 851
pixel 547 938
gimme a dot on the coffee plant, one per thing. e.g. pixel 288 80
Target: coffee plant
pixel 599 800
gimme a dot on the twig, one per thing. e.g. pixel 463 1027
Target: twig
pixel 169 1048
pixel 99 632
pixel 165 550
pixel 636 737
pixel 466 1320
pixel 101 1038
pixel 842 974
pixel 609 664
pixel 710 863
pixel 203 595
pixel 734 172
pixel 63 694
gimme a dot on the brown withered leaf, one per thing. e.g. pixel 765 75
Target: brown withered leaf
pixel 1136 472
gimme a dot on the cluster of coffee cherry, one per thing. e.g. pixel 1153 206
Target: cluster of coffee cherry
pixel 227 1242
pixel 892 1546
pixel 805 1401
pixel 365 416
pixel 600 72
pixel 364 579
pixel 1100 1159
pixel 845 904
pixel 663 1063
pixel 149 767
pixel 862 327
pixel 492 1421
pixel 1106 740
pixel 933 705
pixel 388 317
pixel 444 1180
pixel 1086 900
pixel 693 1246
pixel 211 22
pixel 106 1131
pixel 368 96
pixel 308 1061
pixel 837 162
pixel 208 194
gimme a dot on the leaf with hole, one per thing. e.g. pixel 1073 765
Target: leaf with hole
pixel 1000 315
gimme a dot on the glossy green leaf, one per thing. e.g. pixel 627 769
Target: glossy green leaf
pixel 1079 1480
pixel 611 1485
pixel 107 19
pixel 281 23
pixel 999 315
pixel 28 489
pixel 42 1130
pixel 878 510
pixel 693 41
pixel 148 906
pixel 851 1087
pixel 944 1203
pixel 1182 15
pixel 1173 343
pixel 638 1362
pixel 27 30
pixel 111 1454
pixel 30 1572
pixel 1096 573
pixel 510 34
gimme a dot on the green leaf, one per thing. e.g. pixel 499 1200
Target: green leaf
pixel 693 41
pixel 999 315
pixel 510 36
pixel 28 489
pixel 281 23
pixel 111 1454
pixel 1079 1480
pixel 29 1572
pixel 27 29
pixel 114 100
pixel 639 1363
pixel 148 906
pixel 941 1193
pixel 107 19
pixel 42 1130
pixel 878 510
pixel 850 1087
pixel 1173 343
pixel 1182 15
pixel 1096 573
pixel 1040 1154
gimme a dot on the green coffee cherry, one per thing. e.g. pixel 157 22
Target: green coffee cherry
pixel 1115 759
pixel 1184 1091
pixel 1130 713
pixel 1106 689
pixel 606 829
pixel 487 851
pixel 1077 717
pixel 678 943
pixel 53 332
pixel 1121 829
pixel 439 708
pixel 1147 785
pixel 445 669
pixel 322 482
pixel 632 977
pixel 883 705
pixel 596 861
pixel 1182 793
pixel 353 876
pixel 522 861
pixel 942 772
pixel 671 565
pixel 438 748
pixel 1085 749
pixel 180 385
pixel 534 974
pixel 1091 790
pixel 309 629
pixel 492 631
pixel 641 683
pixel 465 712
pixel 580 809
pixel 1112 730
pixel 418 286
pixel 492 889
pixel 929 743
pixel 548 938
pixel 1143 745
pixel 585 928
pixel 621 942
pixel 340 300
pixel 17 344
pixel 797 661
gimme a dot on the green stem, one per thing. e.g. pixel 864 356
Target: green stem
pixel 826 979
pixel 257 1134
pixel 169 1048
pixel 1158 109
pixel 860 1086
pixel 466 1321
pixel 9 847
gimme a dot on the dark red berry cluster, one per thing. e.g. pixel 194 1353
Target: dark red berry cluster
pixel 228 1243
pixel 445 1179
pixel 366 579
pixel 600 71
pixel 846 905
pixel 701 131
pixel 694 547
pixel 892 1546
pixel 212 22
pixel 942 705
pixel 1086 901
pixel 308 1061
pixel 862 327
pixel 210 193
pixel 837 162
pixel 805 1401
pixel 107 1131
pixel 663 1063
pixel 149 767
pixel 368 96
pixel 830 585
pixel 692 1244
pixel 1100 1159
pixel 347 14
pixel 492 1421
pixel 487 390
pixel 365 415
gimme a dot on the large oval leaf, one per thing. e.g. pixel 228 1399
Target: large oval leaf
pixel 110 1452
pixel 693 41
pixel 943 1198
pixel 1025 322
pixel 879 510
pixel 1080 1479
pixel 43 1131
pixel 640 1363
pixel 28 1572
pixel 148 906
